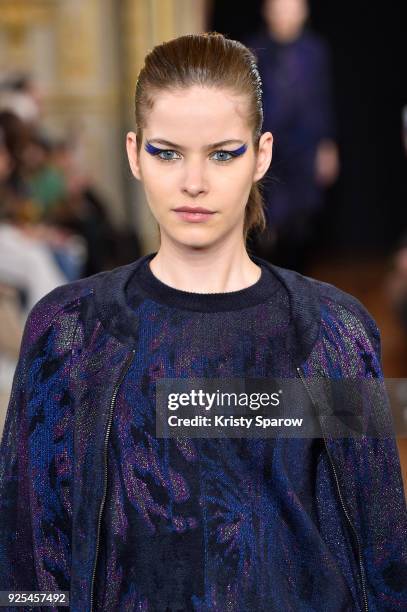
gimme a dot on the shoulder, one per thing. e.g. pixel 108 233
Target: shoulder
pixel 344 313
pixel 59 307
pixel 93 299
pixel 324 315
pixel 314 41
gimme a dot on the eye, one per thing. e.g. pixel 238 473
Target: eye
pixel 165 154
pixel 230 154
pixel 160 153
pixel 223 154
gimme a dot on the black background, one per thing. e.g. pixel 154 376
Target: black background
pixel 366 209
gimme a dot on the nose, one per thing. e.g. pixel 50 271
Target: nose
pixel 194 180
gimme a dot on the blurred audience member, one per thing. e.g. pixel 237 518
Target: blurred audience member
pixel 27 265
pixel 25 260
pixel 58 204
pixel 46 182
pixel 84 212
pixel 27 268
pixel 295 68
pixel 21 94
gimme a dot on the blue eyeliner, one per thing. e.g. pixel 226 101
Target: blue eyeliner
pixel 155 150
pixel 152 149
pixel 238 151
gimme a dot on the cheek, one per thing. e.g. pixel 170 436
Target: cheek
pixel 230 179
pixel 235 186
pixel 157 180
pixel 163 183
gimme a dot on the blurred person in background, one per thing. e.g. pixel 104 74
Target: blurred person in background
pixel 27 269
pixel 49 191
pixel 20 93
pixel 65 209
pixel 294 64
pixel 25 260
pixel 83 239
pixel 86 214
pixel 46 182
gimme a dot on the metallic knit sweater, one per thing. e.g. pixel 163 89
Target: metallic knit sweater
pixel 94 503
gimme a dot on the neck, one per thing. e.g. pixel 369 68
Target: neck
pixel 218 269
pixel 285 36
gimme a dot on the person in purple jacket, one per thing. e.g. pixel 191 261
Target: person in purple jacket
pixel 295 67
pixel 95 503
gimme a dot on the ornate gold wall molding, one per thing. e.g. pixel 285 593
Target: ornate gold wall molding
pixel 23 13
pixel 76 29
pixel 16 19
pixel 145 23
pixel 107 103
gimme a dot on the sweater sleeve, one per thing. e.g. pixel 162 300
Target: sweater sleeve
pixel 17 569
pixel 384 512
pixel 376 484
pixel 36 456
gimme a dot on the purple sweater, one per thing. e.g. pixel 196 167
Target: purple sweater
pixel 92 502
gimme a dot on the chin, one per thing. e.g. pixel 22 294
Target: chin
pixel 194 242
pixel 197 237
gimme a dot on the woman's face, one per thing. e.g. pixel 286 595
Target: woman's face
pixel 181 163
pixel 285 18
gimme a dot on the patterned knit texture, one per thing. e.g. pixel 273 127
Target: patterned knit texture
pixel 193 524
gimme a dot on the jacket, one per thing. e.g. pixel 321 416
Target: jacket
pixel 77 346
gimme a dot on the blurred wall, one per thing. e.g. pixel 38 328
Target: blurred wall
pixel 85 56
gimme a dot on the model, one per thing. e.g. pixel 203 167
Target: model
pixel 92 500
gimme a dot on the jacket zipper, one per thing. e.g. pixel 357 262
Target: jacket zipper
pixel 360 560
pixel 102 503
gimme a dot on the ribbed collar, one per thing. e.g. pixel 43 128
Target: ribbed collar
pixel 150 286
pixel 117 292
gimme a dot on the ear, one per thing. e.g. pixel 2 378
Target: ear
pixel 264 155
pixel 131 146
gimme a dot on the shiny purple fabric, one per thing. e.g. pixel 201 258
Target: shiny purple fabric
pixel 298 110
pixel 215 525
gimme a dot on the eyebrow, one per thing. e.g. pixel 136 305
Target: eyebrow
pixel 210 146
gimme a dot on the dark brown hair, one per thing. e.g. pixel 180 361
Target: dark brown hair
pixel 208 59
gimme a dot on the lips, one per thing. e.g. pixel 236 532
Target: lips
pixel 196 209
pixel 193 215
